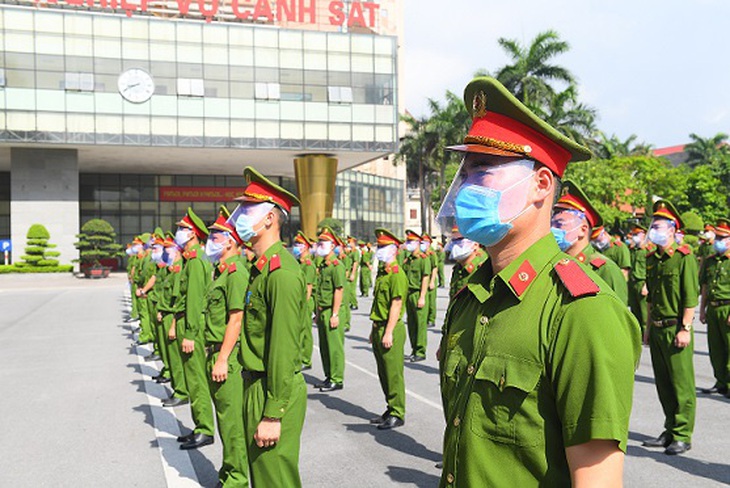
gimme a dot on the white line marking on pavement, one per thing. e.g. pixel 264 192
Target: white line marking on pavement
pixel 166 431
pixel 408 392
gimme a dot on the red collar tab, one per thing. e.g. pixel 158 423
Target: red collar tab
pixel 222 267
pixel 261 263
pixel 308 262
pixel 392 268
pixel 598 262
pixel 685 249
pixel 160 265
pixel 575 279
pixel 275 263
pixel 469 268
pixel 581 257
pixel 175 268
pixel 522 278
pixel 190 254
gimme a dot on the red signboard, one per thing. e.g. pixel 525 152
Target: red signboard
pixel 198 194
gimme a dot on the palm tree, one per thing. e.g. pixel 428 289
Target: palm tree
pixel 709 150
pixel 564 112
pixel 613 147
pixel 530 75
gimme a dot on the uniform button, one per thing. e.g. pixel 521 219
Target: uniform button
pixel 470 369
pixel 450 478
pixel 484 320
pixel 457 421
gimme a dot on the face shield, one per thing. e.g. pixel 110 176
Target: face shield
pixel 246 217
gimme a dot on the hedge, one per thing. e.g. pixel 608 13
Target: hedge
pixel 66 268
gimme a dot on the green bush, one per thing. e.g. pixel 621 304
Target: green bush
pixel 14 268
pixel 97 241
pixel 692 222
pixel 332 223
pixel 37 249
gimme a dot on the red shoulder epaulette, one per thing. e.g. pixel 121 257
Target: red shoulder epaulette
pixel 598 262
pixel 619 243
pixel 394 268
pixel 160 265
pixel 685 249
pixel 193 254
pixel 575 279
pixel 335 262
pixel 231 268
pixel 175 268
pixel 308 262
pixel 261 263
pixel 274 263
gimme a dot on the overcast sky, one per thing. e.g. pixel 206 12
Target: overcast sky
pixel 659 69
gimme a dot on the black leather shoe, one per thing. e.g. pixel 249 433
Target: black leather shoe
pixel 331 387
pixel 662 441
pixel 175 402
pixel 677 447
pixel 198 440
pixel 380 419
pixel 152 357
pixel 390 422
pixel 186 437
pixel 417 359
pixel 162 380
pixel 409 357
pixel 714 389
pixel 326 381
pixel 440 465
pixel 306 367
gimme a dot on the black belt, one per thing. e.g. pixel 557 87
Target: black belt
pixel 719 303
pixel 665 323
pixel 216 347
pixel 179 315
pixel 380 323
pixel 255 375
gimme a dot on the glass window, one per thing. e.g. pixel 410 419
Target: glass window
pixel 19 41
pixel 20 78
pixel 80 63
pixel 362 63
pixel 163 68
pixel 315 60
pixel 290 39
pixel 242 90
pixel 242 73
pixel 215 54
pixel 312 77
pixel 292 92
pixel 189 53
pixel 216 72
pixel 163 51
pixel 20 61
pixel 266 57
pixel 107 47
pixel 107 65
pixel 107 26
pixel 50 101
pixel 315 41
pixel 292 76
pixel 134 49
pixel 216 89
pixel 292 110
pixel 267 75
pixel 47 62
pixel 266 38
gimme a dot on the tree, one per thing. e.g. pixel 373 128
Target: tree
pixel 607 148
pixel 332 223
pixel 709 151
pixel 37 253
pixel 531 73
pixel 574 119
pixel 96 242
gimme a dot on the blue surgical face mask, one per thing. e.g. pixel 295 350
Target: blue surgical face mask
pixel 560 237
pixel 245 227
pixel 297 251
pixel 156 255
pixel 411 246
pixel 424 246
pixel 214 250
pixel 477 213
pixel 660 238
pixel 338 251
pixel 720 246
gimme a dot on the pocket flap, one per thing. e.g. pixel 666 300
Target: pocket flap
pixel 506 372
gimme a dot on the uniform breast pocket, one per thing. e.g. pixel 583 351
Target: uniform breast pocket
pixel 255 311
pixel 214 299
pixel 503 405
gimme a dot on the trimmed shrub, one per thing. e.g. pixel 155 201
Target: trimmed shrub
pixel 37 250
pixel 97 241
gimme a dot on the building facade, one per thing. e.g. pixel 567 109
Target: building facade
pixel 133 112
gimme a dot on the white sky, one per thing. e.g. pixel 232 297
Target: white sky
pixel 659 69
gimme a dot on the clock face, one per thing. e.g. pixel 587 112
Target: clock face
pixel 136 85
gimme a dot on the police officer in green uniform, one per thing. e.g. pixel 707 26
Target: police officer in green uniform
pixel 417 267
pixel 612 248
pixel 706 244
pixel 224 303
pixel 194 282
pixel 538 385
pixel 672 281
pixel 468 255
pixel 156 254
pixel 131 252
pixel 274 392
pixel 171 306
pixel 441 255
pixel 330 303
pixel 637 277
pixel 427 249
pixel 143 271
pixel 573 218
pixel 366 269
pixel 302 252
pixel 353 271
pixel 715 307
pixel 388 335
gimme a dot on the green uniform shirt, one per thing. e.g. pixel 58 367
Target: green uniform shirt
pixel 160 274
pixel 391 285
pixel 169 292
pixel 460 274
pixel 672 281
pixel 271 332
pixel 638 265
pixel 226 294
pixel 196 276
pixel 416 265
pixel 331 276
pixel 715 276
pixel 607 270
pixel 366 259
pixel 355 257
pixel 144 270
pixel 618 252
pixel 529 368
pixel 310 273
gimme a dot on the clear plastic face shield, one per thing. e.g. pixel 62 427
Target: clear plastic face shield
pixel 247 217
pixel 490 175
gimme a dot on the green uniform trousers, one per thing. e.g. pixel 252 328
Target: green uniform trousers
pixel 431 303
pixel 441 281
pixel 161 342
pixel 307 341
pixel 417 324
pixel 675 382
pixel 277 466
pixel 637 303
pixel 146 334
pixel 174 353
pixel 133 313
pixel 351 290
pixel 366 281
pixel 390 368
pixel 331 346
pixel 228 400
pixel 718 340
pixel 196 379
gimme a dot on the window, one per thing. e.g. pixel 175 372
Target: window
pixel 339 94
pixel 413 214
pixel 79 82
pixel 267 91
pixel 2 77
pixel 190 87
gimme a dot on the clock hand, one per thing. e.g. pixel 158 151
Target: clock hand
pixel 129 87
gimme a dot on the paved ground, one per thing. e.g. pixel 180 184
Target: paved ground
pixel 78 408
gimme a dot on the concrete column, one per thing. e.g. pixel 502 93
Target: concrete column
pixel 44 189
pixel 315 176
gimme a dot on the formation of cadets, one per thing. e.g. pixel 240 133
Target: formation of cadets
pixel 547 312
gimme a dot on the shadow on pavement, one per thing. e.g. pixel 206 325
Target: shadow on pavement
pixel 712 471
pixel 415 477
pixel 396 439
